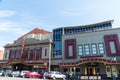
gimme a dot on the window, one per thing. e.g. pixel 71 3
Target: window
pixel 6 54
pixel 18 53
pixel 58 45
pixel 70 49
pixel 38 53
pixel 112 47
pixel 94 49
pixel 101 48
pixel 80 50
pixel 12 54
pixel 87 49
pixel 108 68
pixel 25 54
pixel 31 56
pixel 45 52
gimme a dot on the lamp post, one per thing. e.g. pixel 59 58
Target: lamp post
pixel 49 68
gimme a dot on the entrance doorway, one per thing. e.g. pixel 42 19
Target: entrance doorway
pixel 92 69
pixel 20 67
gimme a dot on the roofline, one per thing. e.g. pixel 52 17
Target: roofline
pixel 91 31
pixel 99 23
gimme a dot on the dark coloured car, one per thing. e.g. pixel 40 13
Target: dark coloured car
pixel 8 73
pixel 46 75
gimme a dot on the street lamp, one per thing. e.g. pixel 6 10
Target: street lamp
pixel 49 68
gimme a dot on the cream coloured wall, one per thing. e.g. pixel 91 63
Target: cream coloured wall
pixel 88 38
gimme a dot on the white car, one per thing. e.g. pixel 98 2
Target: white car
pixel 16 73
pixel 56 74
pixel 22 73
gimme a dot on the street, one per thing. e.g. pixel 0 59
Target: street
pixel 18 78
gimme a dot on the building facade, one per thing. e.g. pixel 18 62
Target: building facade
pixel 58 32
pixel 92 53
pixel 89 50
pixel 31 51
pixel 1 54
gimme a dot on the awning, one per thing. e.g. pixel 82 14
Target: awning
pixel 99 60
pixel 25 62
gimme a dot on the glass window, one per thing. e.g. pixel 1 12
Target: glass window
pixel 25 54
pixel 38 52
pixel 45 52
pixel 58 54
pixel 80 50
pixel 87 49
pixel 58 45
pixel 70 49
pixel 18 53
pixel 6 54
pixel 101 48
pixel 112 47
pixel 31 56
pixel 12 54
pixel 94 48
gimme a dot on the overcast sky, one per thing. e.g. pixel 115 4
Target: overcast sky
pixel 18 17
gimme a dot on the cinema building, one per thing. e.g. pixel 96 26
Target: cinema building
pixel 92 52
pixel 89 49
pixel 29 52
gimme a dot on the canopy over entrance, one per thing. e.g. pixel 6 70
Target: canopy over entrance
pixel 88 60
pixel 18 64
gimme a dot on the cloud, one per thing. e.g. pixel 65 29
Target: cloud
pixel 13 27
pixel 6 13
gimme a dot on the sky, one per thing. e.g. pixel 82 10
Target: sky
pixel 18 17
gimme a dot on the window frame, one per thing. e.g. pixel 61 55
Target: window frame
pixel 87 50
pixel 80 50
pixel 99 48
pixel 94 49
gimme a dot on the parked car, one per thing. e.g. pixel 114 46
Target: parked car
pixel 32 75
pixel 1 72
pixel 22 73
pixel 16 73
pixel 56 74
pixel 8 73
pixel 45 75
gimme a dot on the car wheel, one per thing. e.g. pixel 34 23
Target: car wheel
pixel 63 78
pixel 30 77
pixel 23 76
pixel 54 78
pixel 44 77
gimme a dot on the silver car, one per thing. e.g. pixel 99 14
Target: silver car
pixel 22 73
pixel 16 73
pixel 56 74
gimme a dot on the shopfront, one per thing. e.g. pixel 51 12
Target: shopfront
pixel 92 67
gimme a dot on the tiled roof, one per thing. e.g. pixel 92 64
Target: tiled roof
pixel 36 31
pixel 39 31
